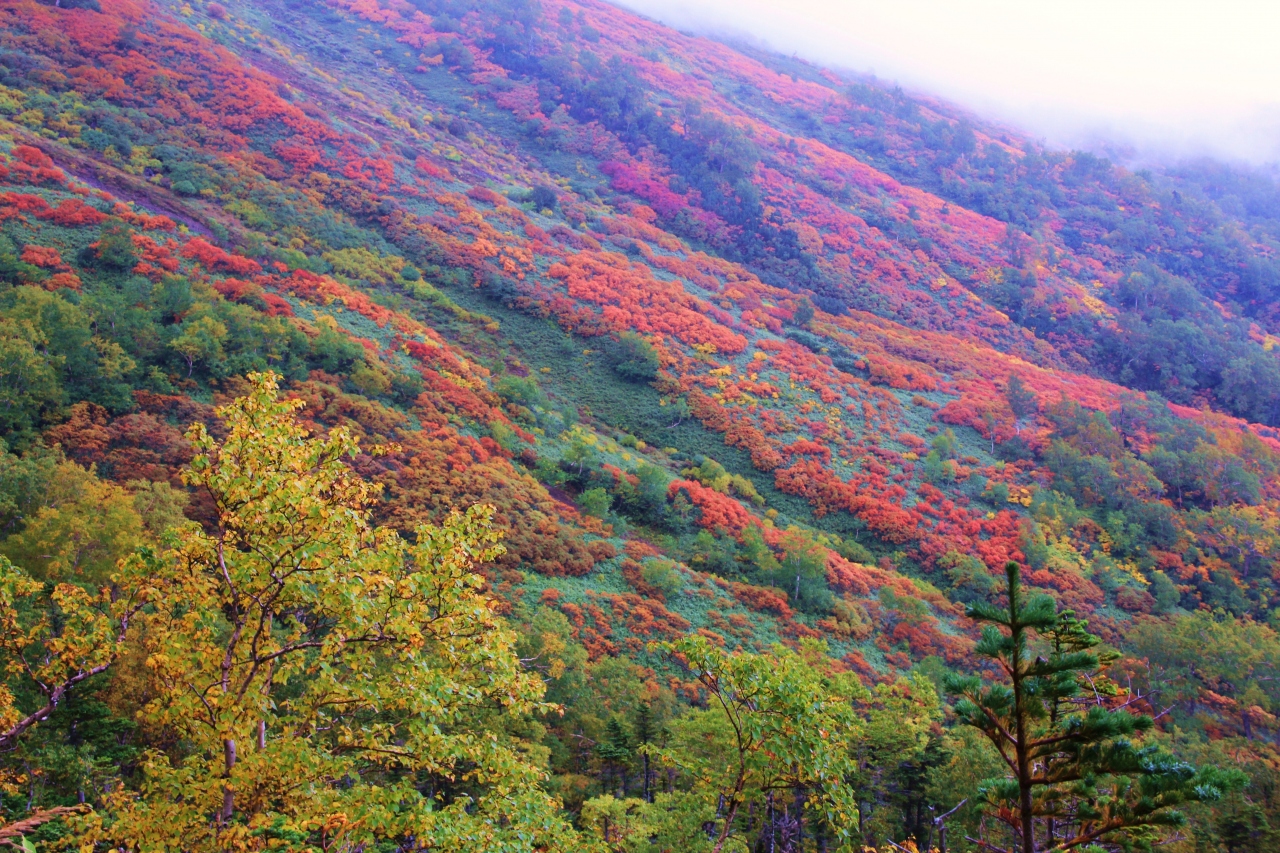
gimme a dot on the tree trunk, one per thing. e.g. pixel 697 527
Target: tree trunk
pixel 728 824
pixel 1024 795
pixel 228 793
pixel 1020 726
pixel 799 804
pixel 773 836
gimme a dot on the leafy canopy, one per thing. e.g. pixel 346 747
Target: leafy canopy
pixel 777 723
pixel 327 683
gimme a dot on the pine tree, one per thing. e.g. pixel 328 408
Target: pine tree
pixel 1078 776
pixel 1243 828
pixel 645 730
pixel 615 752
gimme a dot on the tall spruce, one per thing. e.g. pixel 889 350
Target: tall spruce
pixel 1078 773
pixel 616 753
pixel 646 730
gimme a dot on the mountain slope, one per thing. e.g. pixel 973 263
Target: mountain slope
pixel 735 345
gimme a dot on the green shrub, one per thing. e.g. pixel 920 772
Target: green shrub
pixel 662 574
pixel 521 390
pixel 543 197
pixel 595 502
pixel 634 359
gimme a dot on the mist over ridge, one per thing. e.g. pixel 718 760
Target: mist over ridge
pixel 1140 83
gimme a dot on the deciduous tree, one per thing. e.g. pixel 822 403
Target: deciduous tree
pixel 328 683
pixel 776 724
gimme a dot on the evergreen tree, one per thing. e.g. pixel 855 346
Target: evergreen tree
pixel 1242 827
pixel 646 731
pixel 615 752
pixel 1077 775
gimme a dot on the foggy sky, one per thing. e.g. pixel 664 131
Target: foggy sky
pixel 1169 79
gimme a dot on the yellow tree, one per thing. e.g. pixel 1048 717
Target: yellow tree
pixel 775 724
pixel 84 529
pixel 53 637
pixel 326 684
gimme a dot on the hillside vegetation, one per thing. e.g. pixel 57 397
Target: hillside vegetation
pixel 516 425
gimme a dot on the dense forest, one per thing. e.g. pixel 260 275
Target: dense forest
pixel 519 426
